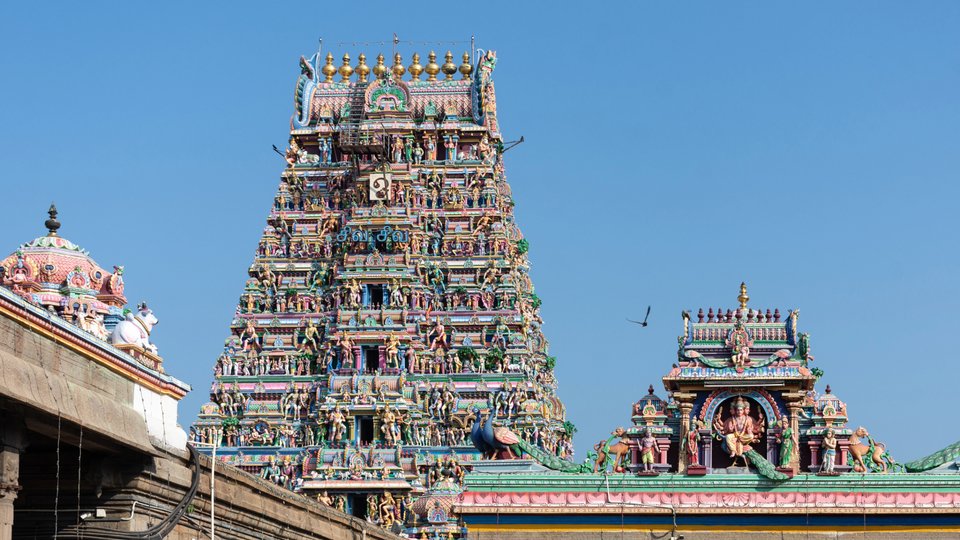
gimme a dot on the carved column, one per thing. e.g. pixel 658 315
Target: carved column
pixel 12 444
pixel 814 445
pixel 706 442
pixel 664 444
pixel 686 408
pixel 795 427
pixel 358 359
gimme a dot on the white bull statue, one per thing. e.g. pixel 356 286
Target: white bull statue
pixel 135 329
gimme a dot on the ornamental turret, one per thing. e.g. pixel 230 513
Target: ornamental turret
pixel 52 272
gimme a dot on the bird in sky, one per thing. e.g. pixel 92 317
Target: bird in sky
pixel 644 323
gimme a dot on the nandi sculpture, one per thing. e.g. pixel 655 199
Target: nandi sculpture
pixel 135 329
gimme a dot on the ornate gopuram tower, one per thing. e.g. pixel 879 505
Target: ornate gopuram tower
pixel 389 303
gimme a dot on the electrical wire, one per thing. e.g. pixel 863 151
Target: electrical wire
pixel 79 475
pixel 167 524
pixel 56 496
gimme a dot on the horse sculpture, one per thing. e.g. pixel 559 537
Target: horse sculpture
pixel 135 329
pixel 873 451
pixel 604 449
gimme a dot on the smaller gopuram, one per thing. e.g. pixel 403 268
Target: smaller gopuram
pixel 743 393
pixel 741 445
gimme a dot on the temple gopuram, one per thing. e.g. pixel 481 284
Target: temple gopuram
pixel 389 303
pixel 742 446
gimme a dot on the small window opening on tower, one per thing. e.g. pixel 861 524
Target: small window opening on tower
pixel 371 359
pixel 365 428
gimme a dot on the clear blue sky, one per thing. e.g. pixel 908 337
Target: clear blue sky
pixel 673 150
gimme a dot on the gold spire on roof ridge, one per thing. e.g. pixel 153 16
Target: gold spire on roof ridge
pixel 449 68
pixel 329 70
pixel 432 68
pixel 415 68
pixel 398 69
pixel 362 68
pixel 379 70
pixel 345 69
pixel 465 68
pixel 744 297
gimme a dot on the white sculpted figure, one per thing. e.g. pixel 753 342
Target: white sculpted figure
pixel 135 329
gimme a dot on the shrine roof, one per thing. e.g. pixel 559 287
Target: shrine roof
pixel 450 96
pixel 387 97
pixel 49 269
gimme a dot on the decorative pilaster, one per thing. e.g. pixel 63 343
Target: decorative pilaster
pixel 12 445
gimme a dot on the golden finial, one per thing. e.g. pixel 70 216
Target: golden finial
pixel 398 69
pixel 345 70
pixel 329 70
pixel 744 297
pixel 465 68
pixel 362 68
pixel 432 68
pixel 379 70
pixel 415 68
pixel 449 68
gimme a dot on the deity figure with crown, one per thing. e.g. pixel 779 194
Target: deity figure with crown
pixel 739 430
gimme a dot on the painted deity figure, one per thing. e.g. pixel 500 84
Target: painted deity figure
pixel 787 442
pixel 739 343
pixel 346 349
pixel 648 450
pixel 292 153
pixel 484 148
pixel 829 447
pixel 393 351
pixel 324 150
pixel 311 337
pixel 353 290
pixel 388 510
pixel 413 364
pixel 450 145
pixel 397 150
pixel 336 424
pixel 248 337
pixel 431 149
pixel 692 444
pixel 739 430
pixel 438 336
pixel 417 154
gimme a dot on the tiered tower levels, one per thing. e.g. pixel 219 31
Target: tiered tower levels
pixel 389 296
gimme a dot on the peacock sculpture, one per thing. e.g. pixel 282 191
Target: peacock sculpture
pixel 498 442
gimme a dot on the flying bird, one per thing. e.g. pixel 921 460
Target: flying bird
pixel 644 323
